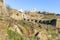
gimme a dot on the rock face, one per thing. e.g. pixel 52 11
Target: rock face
pixel 42 35
pixel 15 14
pixel 2 8
pixel 3 33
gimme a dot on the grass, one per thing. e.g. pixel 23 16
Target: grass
pixel 23 24
pixel 53 33
pixel 14 35
pixel 49 38
pixel 47 18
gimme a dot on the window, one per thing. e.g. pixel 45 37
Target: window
pixel 35 20
pixel 24 19
pixel 17 14
pixel 31 19
pixel 27 19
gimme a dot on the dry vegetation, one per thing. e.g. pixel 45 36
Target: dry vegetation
pixel 13 27
pixel 22 30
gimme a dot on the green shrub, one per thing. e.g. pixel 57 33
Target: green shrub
pixel 14 35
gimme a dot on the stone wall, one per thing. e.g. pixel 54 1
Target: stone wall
pixel 58 23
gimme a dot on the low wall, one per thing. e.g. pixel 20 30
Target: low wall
pixel 43 21
pixel 58 23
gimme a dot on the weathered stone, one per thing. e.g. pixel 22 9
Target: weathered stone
pixel 3 10
pixel 58 23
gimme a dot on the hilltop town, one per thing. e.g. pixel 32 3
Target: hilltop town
pixel 28 25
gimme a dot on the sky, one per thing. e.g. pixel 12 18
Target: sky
pixel 39 5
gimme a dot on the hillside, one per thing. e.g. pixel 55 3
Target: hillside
pixel 11 29
pixel 27 25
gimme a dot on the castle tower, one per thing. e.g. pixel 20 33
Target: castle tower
pixel 2 8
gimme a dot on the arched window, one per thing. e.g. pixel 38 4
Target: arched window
pixel 17 14
pixel 35 20
pixel 27 19
pixel 24 19
pixel 39 21
pixel 31 19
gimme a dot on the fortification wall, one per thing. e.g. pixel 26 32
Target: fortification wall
pixel 58 23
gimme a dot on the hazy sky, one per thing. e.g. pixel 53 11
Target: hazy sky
pixel 40 5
